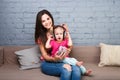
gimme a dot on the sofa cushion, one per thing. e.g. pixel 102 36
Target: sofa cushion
pixel 110 55
pixel 29 58
pixel 1 56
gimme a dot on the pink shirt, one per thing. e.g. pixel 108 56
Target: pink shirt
pixel 55 45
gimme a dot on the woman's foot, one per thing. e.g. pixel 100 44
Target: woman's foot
pixel 88 72
pixel 79 63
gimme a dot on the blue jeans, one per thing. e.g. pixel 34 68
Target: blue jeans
pixel 57 69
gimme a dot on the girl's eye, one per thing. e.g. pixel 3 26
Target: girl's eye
pixel 60 33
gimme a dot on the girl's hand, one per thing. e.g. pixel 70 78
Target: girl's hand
pixel 49 36
pixel 66 27
pixel 59 57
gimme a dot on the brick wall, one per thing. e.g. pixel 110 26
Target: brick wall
pixel 90 21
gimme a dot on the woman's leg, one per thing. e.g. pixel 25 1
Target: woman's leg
pixel 65 75
pixel 55 69
pixel 76 73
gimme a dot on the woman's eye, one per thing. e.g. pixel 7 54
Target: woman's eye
pixel 48 18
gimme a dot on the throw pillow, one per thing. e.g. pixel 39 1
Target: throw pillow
pixel 110 55
pixel 29 58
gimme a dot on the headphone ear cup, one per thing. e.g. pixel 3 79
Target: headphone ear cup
pixel 64 34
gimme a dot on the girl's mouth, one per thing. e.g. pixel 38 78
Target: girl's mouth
pixel 59 38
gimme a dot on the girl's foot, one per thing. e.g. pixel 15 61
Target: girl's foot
pixel 88 72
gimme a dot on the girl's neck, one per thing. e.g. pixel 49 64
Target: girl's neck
pixel 58 41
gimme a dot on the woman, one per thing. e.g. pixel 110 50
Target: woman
pixel 49 65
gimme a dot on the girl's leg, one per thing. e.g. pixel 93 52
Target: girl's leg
pixel 83 69
pixel 76 73
pixel 55 69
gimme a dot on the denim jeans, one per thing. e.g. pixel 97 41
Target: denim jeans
pixel 57 69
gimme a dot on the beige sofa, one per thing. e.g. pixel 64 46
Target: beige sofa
pixel 9 66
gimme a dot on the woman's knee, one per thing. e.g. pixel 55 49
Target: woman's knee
pixel 68 67
pixel 76 70
pixel 65 75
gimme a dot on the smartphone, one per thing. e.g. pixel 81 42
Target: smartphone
pixel 61 50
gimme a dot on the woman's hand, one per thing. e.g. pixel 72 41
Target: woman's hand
pixel 68 51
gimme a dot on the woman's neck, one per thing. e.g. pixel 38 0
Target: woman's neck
pixel 50 30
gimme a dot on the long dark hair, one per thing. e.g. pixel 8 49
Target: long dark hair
pixel 40 30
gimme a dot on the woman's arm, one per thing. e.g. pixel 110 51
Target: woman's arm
pixel 44 53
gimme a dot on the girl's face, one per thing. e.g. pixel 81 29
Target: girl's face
pixel 46 21
pixel 59 34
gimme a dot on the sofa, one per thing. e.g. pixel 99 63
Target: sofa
pixel 90 55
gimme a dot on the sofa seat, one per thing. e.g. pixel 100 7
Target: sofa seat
pixel 90 55
pixel 12 72
pixel 102 73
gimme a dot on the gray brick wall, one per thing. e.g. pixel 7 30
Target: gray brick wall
pixel 90 21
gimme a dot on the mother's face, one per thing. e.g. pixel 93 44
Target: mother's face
pixel 46 21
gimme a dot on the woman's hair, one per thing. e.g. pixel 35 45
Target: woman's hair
pixel 59 26
pixel 40 30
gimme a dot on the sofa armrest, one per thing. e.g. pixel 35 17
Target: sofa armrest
pixel 1 56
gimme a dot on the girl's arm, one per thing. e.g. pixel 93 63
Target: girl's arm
pixel 50 37
pixel 68 35
pixel 70 44
pixel 69 39
pixel 47 45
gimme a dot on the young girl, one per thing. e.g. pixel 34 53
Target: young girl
pixel 59 44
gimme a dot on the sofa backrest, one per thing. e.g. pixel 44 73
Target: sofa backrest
pixel 1 56
pixel 88 54
pixel 9 53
